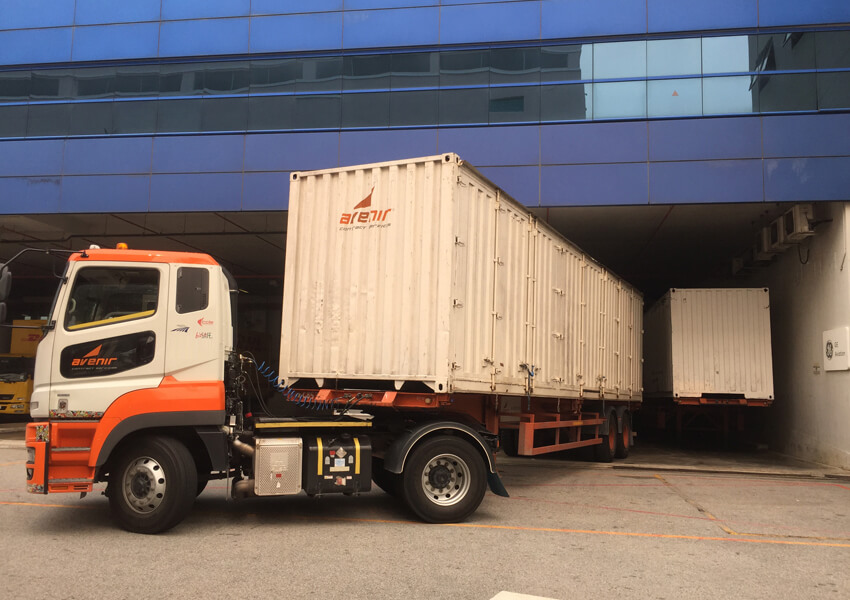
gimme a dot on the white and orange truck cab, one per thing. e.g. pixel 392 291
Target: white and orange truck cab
pixel 137 384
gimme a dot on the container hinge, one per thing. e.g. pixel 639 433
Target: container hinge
pixel 458 242
pixel 455 366
pixel 498 262
pixel 558 336
pixel 498 316
pixel 559 291
pixel 457 303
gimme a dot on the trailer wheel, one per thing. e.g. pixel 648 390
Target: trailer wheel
pixel 606 450
pixel 444 480
pixel 153 485
pixel 624 439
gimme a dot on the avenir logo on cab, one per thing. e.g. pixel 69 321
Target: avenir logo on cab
pixel 92 359
pixel 362 213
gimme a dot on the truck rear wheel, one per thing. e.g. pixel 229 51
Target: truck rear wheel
pixel 606 450
pixel 624 439
pixel 153 485
pixel 444 480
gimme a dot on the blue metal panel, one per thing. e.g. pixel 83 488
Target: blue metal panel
pixel 266 191
pixel 291 151
pixel 807 135
pixel 199 9
pixel 24 14
pixel 108 156
pixel 522 183
pixel 807 179
pixel 577 18
pixel 493 146
pixel 593 143
pixel 209 36
pixel 490 23
pixel 36 157
pixel 705 182
pixel 316 31
pixel 684 15
pixel 29 195
pixel 705 139
pixel 105 193
pixel 794 12
pixel 357 147
pixel 361 4
pixel 594 185
pixel 101 42
pixel 35 46
pixel 196 192
pixel 282 7
pixel 95 12
pixel 198 154
pixel 397 27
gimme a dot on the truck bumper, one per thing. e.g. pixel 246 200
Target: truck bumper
pixel 55 460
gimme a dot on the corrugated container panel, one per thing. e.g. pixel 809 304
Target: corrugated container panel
pixel 423 271
pixel 703 342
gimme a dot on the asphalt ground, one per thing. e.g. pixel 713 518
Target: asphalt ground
pixel 570 528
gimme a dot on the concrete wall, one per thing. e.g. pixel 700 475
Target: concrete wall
pixel 810 418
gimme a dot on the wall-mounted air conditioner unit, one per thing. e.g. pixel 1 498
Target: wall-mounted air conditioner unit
pixel 797 223
pixel 776 235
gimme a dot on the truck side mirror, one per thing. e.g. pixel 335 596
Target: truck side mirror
pixel 5 283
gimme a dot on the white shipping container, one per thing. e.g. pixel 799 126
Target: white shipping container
pixel 423 271
pixel 704 343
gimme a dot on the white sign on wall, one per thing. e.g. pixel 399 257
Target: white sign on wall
pixel 836 349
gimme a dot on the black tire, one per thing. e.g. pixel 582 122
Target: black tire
pixel 452 463
pixel 604 452
pixel 153 485
pixel 509 441
pixel 624 438
pixel 388 482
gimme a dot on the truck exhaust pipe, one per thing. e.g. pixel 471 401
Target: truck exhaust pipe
pixel 244 488
pixel 246 449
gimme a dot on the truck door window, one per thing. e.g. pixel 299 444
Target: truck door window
pixel 106 295
pixel 193 285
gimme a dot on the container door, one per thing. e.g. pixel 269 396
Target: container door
pixel 108 338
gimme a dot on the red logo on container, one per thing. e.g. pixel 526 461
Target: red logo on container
pixel 362 213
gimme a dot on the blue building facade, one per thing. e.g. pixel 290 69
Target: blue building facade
pixel 207 105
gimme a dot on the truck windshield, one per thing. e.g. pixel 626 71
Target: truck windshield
pixel 16 368
pixel 105 295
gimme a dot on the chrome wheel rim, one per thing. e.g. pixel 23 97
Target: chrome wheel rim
pixel 143 485
pixel 445 479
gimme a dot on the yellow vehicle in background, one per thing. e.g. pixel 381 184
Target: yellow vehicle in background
pixel 16 367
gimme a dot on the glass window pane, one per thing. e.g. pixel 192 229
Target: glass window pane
pixel 413 108
pixel 15 85
pixel 787 92
pixel 368 72
pixel 566 63
pixel 52 85
pixel 270 112
pixel 464 106
pixel 48 119
pixel 224 114
pixel 366 110
pixel 728 96
pixel 193 285
pixel 319 74
pixel 623 100
pixel 515 104
pixel 91 118
pixel 619 59
pixel 834 90
pixel 223 78
pixel 573 102
pixel 13 121
pixel 784 52
pixel 94 83
pixel 180 80
pixel 515 65
pixel 179 115
pixel 317 112
pixel 274 75
pixel 833 49
pixel 673 57
pixel 415 70
pixel 134 116
pixel 674 97
pixel 137 81
pixel 466 67
pixel 101 294
pixel 726 54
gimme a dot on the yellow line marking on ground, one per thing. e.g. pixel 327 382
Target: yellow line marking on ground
pixel 14 462
pixel 44 505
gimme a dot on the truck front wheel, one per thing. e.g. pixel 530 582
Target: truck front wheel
pixel 153 485
pixel 444 480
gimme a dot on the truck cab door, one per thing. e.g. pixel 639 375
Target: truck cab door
pixel 109 336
